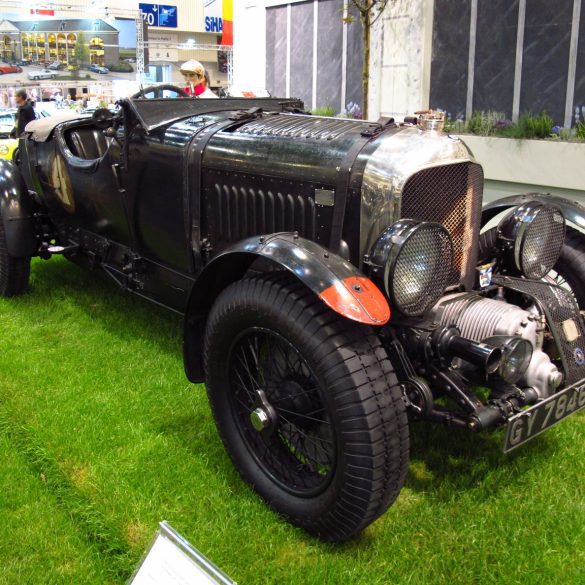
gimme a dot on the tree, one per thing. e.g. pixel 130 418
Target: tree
pixel 81 52
pixel 370 11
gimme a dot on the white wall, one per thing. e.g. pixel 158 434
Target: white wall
pixel 400 56
pixel 400 59
pixel 250 44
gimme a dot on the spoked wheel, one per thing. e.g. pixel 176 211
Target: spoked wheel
pixel 280 412
pixel 14 272
pixel 307 406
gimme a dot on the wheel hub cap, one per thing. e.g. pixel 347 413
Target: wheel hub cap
pixel 259 419
pixel 264 416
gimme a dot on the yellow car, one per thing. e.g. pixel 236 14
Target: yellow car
pixel 7 145
pixel 7 117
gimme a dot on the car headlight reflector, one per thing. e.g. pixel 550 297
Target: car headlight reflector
pixel 414 261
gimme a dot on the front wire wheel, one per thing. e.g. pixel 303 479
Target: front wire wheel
pixel 307 405
pixel 291 433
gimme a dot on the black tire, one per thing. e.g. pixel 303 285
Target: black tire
pixel 335 453
pixel 570 266
pixel 14 272
pixel 487 245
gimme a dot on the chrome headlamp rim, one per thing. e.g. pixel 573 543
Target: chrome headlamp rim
pixel 515 229
pixel 386 253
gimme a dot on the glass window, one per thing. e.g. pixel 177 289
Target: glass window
pixel 7 119
pixel 96 51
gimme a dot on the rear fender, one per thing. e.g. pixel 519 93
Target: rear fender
pixel 17 208
pixel 339 284
pixel 573 211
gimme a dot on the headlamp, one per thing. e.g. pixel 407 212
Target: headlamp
pixel 413 262
pixel 532 235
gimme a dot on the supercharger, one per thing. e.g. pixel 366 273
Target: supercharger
pixel 481 319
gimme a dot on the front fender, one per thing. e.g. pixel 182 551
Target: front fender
pixel 338 283
pixel 573 211
pixel 16 212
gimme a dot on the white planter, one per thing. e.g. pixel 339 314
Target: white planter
pixel 539 165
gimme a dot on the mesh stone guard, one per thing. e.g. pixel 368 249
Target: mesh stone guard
pixel 450 195
pixel 558 305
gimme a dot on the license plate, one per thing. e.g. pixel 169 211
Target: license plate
pixel 538 418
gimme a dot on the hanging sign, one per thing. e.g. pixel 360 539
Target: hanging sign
pixel 159 15
pixel 218 18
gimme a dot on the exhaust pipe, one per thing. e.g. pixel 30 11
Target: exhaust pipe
pixel 447 344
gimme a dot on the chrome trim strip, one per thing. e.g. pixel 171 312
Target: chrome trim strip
pixel 288 43
pixel 519 54
pixel 471 60
pixel 315 48
pixel 572 63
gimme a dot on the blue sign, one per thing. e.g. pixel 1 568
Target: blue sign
pixel 159 15
pixel 213 24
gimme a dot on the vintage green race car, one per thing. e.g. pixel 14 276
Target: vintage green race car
pixel 332 278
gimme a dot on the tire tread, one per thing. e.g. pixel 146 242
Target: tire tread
pixel 365 393
pixel 14 272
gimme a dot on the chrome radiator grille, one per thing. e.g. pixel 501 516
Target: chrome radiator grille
pixel 449 195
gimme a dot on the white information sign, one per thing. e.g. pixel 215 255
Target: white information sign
pixel 162 47
pixel 171 560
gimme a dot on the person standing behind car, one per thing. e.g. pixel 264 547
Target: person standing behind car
pixel 24 114
pixel 194 74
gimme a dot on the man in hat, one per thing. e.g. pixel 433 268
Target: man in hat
pixel 194 74
pixel 24 114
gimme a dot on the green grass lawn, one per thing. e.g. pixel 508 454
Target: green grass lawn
pixel 102 437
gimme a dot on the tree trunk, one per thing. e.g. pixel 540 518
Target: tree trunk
pixel 366 68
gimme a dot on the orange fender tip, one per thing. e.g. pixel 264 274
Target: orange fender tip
pixel 359 299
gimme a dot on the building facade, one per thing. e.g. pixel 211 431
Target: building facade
pixel 57 39
pixel 176 32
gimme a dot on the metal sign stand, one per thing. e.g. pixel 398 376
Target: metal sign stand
pixel 172 560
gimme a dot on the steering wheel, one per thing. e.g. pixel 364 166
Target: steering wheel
pixel 157 90
pixel 102 118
